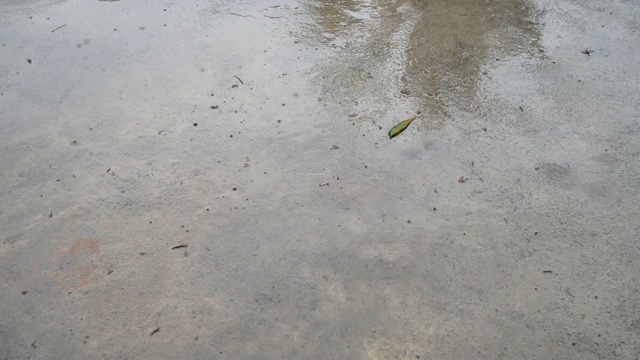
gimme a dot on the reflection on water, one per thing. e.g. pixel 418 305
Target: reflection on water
pixel 370 40
pixel 455 39
pixel 346 18
pixel 416 55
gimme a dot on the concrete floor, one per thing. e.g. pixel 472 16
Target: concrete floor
pixel 502 224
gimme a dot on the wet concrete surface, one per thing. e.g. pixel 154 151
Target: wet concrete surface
pixel 502 224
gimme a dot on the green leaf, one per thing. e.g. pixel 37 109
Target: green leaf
pixel 400 127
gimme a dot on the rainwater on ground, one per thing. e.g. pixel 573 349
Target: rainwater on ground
pixel 214 179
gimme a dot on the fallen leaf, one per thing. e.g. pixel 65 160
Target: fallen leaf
pixel 400 127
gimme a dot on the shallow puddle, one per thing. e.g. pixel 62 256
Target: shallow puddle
pixel 205 179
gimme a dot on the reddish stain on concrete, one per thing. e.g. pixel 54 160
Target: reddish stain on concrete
pixel 78 265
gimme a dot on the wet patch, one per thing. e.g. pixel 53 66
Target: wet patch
pixel 558 175
pixel 455 42
pixel 395 60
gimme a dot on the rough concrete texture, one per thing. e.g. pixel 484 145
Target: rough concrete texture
pixel 502 224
